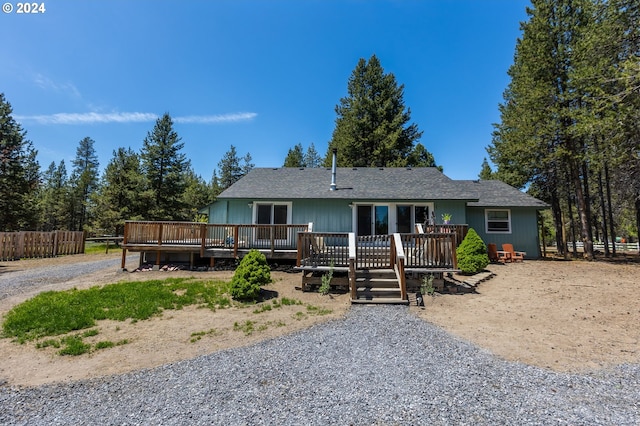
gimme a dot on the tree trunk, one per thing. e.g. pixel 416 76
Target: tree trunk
pixel 605 232
pixel 572 226
pixel 611 224
pixel 582 212
pixel 557 221
pixel 638 219
pixel 587 201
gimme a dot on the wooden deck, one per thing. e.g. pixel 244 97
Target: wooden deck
pixel 393 256
pixel 428 251
pixel 214 241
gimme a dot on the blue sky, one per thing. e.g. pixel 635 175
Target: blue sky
pixel 259 75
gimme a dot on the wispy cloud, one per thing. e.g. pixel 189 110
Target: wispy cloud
pixel 130 117
pixel 88 118
pixel 212 119
pixel 46 83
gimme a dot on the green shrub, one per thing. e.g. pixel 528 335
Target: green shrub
pixel 472 253
pixel 252 272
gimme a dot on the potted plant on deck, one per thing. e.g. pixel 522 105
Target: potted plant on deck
pixel 446 218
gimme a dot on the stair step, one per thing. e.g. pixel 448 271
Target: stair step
pixel 378 289
pixel 381 300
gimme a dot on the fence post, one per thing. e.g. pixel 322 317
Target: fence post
pixel 55 243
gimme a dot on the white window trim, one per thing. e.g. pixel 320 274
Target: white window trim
pixel 289 205
pixel 486 221
pixel 393 220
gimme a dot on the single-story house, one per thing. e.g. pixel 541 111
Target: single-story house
pixel 376 201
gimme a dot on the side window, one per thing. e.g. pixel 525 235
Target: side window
pixel 498 221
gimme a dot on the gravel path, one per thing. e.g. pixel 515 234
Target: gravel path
pixel 12 283
pixel 379 365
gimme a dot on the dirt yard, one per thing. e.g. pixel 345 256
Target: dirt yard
pixel 566 316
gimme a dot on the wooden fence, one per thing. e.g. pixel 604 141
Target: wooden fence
pixel 35 244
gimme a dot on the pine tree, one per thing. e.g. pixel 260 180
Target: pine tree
pixel 121 195
pixel 485 172
pixel 295 157
pixel 214 186
pixel 84 181
pixel 164 166
pixel 197 194
pixel 247 165
pixel 420 157
pixel 536 141
pixel 230 169
pixel 19 173
pixel 372 124
pixel 54 198
pixel 311 157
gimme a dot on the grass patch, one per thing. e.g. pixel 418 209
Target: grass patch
pixel 100 248
pixel 246 327
pixel 73 345
pixel 315 310
pixel 55 313
pixel 55 343
pixel 89 333
pixel 285 301
pixel 200 334
pixel 263 308
pixel 105 344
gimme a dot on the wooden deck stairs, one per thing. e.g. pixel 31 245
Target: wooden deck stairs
pixel 379 286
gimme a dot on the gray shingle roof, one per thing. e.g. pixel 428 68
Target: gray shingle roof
pixel 495 193
pixel 421 183
pixel 371 183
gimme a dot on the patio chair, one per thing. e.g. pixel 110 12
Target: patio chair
pixel 496 256
pixel 514 255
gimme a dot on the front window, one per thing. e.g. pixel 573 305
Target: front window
pixel 498 221
pixel 272 214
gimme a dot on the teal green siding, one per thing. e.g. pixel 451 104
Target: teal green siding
pixel 326 215
pixel 457 210
pixel 337 216
pixel 524 229
pixel 231 211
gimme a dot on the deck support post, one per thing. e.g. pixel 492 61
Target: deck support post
pixel 124 247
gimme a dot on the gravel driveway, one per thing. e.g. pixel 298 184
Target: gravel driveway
pixel 379 365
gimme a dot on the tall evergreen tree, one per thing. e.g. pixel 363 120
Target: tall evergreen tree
pixel 485 172
pixel 536 142
pixel 372 125
pixel 311 157
pixel 295 157
pixel 231 169
pixel 84 181
pixel 54 198
pixel 19 173
pixel 420 157
pixel 121 195
pixel 197 194
pixel 247 164
pixel 164 166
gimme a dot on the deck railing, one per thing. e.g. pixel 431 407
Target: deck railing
pixel 323 249
pixel 204 236
pixel 459 230
pixel 398 260
pixel 430 251
pixel 426 251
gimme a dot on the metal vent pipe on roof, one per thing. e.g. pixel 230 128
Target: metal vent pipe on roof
pixel 332 187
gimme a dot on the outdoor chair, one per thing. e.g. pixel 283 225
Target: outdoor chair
pixel 496 256
pixel 514 255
